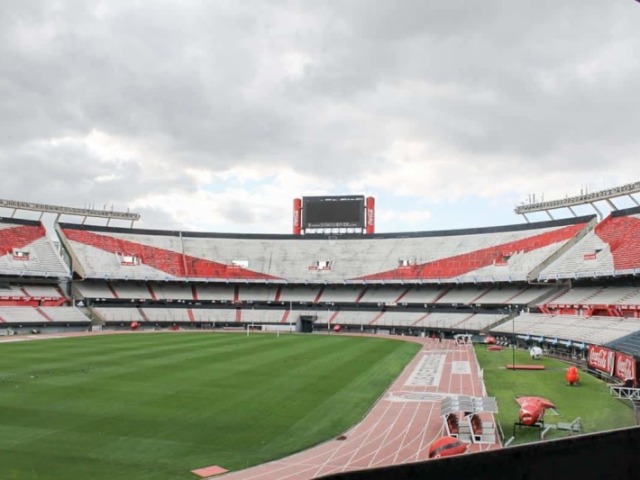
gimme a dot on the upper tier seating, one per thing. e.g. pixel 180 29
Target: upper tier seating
pixel 26 251
pixel 492 254
pixel 611 248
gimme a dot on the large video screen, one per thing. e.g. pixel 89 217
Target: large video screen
pixel 333 212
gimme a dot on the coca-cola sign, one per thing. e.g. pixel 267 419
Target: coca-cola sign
pixel 601 358
pixel 625 367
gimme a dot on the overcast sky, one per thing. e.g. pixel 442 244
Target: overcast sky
pixel 214 115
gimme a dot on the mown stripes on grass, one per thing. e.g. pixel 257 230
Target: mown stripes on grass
pixel 155 406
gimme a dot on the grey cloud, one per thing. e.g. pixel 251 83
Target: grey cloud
pixel 202 82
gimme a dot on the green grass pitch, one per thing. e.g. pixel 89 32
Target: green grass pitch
pixel 591 400
pixel 156 406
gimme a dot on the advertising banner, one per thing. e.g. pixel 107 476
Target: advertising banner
pixel 625 367
pixel 601 359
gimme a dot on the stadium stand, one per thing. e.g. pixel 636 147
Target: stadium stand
pixel 512 295
pixel 119 314
pixel 257 293
pixel 266 316
pixel 457 321
pixel 219 316
pixel 64 315
pixel 42 291
pixel 181 315
pixel 600 295
pixel 491 254
pixel 11 292
pixel 301 293
pixel 21 315
pixel 167 315
pixel 132 290
pixel 547 283
pixel 423 294
pixel 26 251
pixel 172 291
pixel 94 290
pixel 337 294
pixel 463 296
pixel 214 292
pixel 592 330
pixel 456 281
pixel 263 263
pixel 41 315
pixel 611 248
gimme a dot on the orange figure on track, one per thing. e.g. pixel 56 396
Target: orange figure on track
pixel 572 375
pixel 446 447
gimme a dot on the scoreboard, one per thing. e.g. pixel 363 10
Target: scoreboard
pixel 333 212
pixel 343 214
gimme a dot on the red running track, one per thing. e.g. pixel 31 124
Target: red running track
pixel 399 428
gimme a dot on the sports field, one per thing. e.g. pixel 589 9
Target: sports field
pixel 591 400
pixel 156 406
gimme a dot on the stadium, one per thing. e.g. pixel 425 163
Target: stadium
pixel 277 307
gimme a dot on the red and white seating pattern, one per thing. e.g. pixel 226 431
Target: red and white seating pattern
pixel 613 247
pixel 484 255
pixel 25 250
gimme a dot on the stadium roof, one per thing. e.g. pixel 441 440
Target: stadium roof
pixel 582 199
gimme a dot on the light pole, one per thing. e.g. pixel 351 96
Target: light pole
pixel 328 322
pixel 513 333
